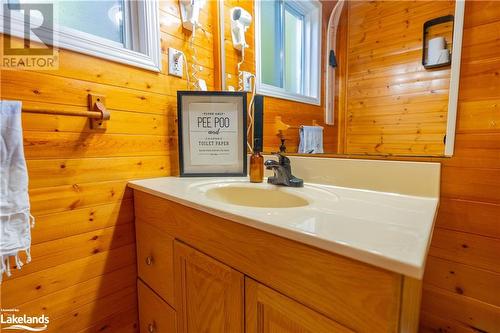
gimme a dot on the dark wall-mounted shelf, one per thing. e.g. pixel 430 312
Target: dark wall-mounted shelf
pixel 427 26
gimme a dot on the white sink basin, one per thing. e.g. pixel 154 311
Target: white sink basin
pixel 256 196
pixel 241 193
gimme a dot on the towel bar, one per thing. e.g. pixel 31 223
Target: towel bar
pixel 97 111
pixel 88 114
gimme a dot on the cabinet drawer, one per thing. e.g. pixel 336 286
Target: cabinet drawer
pixel 268 311
pixel 155 260
pixel 155 315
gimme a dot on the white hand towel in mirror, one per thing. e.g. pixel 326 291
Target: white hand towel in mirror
pixel 311 140
pixel 15 233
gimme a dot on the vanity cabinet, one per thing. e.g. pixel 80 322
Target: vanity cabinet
pixel 209 295
pixel 268 311
pixel 216 275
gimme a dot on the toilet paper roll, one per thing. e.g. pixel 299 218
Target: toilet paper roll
pixel 437 43
pixel 444 57
pixel 434 50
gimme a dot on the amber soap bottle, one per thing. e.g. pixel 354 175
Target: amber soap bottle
pixel 256 167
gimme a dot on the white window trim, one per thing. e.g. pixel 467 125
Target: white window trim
pixel 313 82
pixel 71 39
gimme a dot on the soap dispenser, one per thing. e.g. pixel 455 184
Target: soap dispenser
pixel 256 165
pixel 256 159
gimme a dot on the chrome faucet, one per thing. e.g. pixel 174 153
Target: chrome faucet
pixel 282 172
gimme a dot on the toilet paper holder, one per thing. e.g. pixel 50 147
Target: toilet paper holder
pixel 426 62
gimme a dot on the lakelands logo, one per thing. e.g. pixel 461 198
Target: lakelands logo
pixel 28 36
pixel 11 319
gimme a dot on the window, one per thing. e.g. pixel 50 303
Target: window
pixel 125 31
pixel 288 49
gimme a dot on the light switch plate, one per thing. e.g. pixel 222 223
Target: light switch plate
pixel 175 62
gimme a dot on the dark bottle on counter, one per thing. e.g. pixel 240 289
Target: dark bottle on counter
pixel 256 167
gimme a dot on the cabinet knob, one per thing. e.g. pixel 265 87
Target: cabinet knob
pixel 152 327
pixel 149 260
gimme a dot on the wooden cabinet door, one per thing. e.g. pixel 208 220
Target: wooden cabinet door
pixel 208 294
pixel 267 311
pixel 155 260
pixel 155 315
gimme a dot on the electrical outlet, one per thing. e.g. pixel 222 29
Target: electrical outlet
pixel 175 62
pixel 247 81
pixel 202 84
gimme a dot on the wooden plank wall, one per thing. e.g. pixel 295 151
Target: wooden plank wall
pixel 462 279
pixel 83 273
pixel 394 106
pixel 292 113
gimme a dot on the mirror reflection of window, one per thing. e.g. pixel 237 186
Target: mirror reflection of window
pixel 100 18
pixel 290 43
pixel 293 45
pixel 270 44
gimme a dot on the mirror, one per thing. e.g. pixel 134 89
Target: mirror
pixel 382 88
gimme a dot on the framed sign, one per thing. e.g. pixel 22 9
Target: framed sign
pixel 212 133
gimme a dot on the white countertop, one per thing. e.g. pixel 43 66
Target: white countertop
pixel 388 230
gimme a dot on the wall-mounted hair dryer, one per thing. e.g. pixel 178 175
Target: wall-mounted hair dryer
pixel 190 12
pixel 240 21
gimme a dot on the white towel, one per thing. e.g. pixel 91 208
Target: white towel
pixel 15 233
pixel 311 140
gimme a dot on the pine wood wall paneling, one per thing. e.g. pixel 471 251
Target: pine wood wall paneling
pixel 70 197
pixel 83 271
pixel 63 250
pixel 88 315
pixel 118 322
pixel 63 301
pixel 462 280
pixel 389 93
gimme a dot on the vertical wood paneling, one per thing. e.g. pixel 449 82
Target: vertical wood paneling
pixel 83 273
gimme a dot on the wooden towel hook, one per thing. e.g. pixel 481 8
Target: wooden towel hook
pixel 280 126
